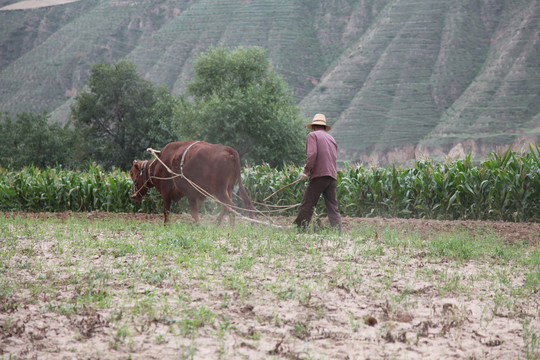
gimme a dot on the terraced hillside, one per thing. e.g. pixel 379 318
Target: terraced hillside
pixel 430 75
pixel 397 79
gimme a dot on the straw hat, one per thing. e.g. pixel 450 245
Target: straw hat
pixel 319 119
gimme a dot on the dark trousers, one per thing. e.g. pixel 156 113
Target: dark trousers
pixel 327 186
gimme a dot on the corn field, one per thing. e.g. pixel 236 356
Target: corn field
pixel 503 187
pixel 56 190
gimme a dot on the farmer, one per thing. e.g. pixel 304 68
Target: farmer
pixel 321 170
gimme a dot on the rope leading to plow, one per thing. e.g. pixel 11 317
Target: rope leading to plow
pixel 286 186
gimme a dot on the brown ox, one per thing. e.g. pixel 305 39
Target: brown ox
pixel 213 167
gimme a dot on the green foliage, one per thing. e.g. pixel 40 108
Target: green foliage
pixel 161 118
pixel 456 246
pixel 263 180
pixel 55 190
pixel 241 102
pixel 504 187
pixel 120 116
pixel 31 140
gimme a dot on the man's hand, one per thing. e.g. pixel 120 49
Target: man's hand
pixel 304 176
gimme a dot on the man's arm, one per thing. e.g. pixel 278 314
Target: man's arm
pixel 311 151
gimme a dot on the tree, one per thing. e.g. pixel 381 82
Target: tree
pixel 31 140
pixel 163 126
pixel 238 100
pixel 121 115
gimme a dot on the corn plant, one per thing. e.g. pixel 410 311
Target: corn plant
pixel 56 189
pixel 261 181
pixel 504 187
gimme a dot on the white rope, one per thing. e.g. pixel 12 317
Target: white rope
pixel 279 208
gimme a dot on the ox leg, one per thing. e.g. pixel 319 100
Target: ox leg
pixel 194 209
pixel 227 200
pixel 200 203
pixel 221 214
pixel 166 209
pixel 232 217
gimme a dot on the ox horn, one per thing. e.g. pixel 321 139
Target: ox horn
pixel 152 151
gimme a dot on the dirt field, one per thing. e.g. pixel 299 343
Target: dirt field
pixel 343 316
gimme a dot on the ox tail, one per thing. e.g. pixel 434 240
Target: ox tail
pixel 248 204
pixel 245 198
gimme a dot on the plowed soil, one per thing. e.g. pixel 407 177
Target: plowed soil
pixel 431 308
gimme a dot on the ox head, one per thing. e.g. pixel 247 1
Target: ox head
pixel 141 179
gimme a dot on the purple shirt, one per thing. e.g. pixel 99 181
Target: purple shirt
pixel 321 150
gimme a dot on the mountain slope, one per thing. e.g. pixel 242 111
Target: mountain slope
pixel 504 98
pixel 398 79
pixel 429 75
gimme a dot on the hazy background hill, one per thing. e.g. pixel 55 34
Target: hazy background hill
pixel 398 79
